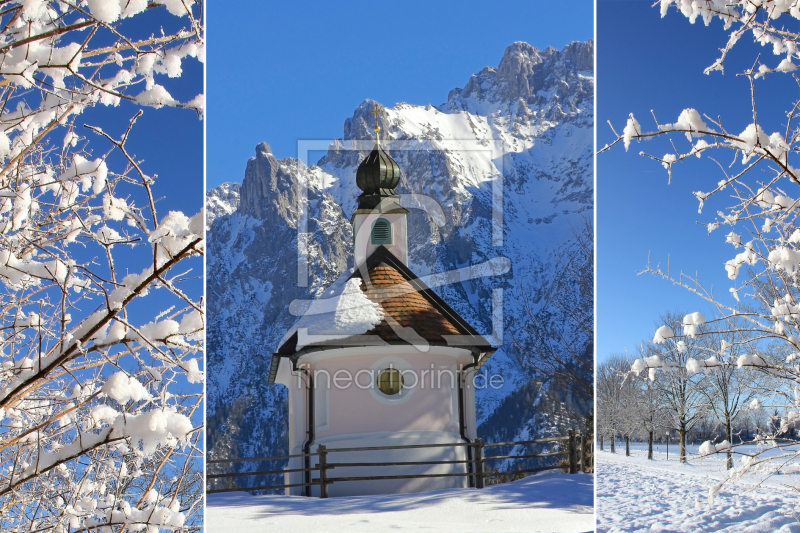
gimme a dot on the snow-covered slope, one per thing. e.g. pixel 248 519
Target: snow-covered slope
pixel 532 120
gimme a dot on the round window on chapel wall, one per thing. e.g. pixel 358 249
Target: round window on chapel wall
pixel 390 381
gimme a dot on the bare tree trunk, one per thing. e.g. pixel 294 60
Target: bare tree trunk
pixel 650 445
pixel 601 442
pixel 729 461
pixel 682 432
pixel 613 440
pixel 627 445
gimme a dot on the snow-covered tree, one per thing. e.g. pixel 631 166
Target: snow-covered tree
pixel 761 214
pixel 610 407
pixel 628 421
pixel 728 391
pixel 101 313
pixel 681 392
pixel 647 407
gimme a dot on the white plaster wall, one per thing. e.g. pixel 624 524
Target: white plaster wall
pixel 357 419
pixel 357 410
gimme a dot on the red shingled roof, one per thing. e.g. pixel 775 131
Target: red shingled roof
pixel 410 303
pixel 405 306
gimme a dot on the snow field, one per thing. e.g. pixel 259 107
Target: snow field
pixel 634 494
pixel 555 503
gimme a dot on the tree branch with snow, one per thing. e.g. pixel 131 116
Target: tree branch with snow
pixel 101 327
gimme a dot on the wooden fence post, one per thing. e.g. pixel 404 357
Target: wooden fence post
pixel 571 452
pixel 323 486
pixel 478 463
pixel 583 453
pixel 471 465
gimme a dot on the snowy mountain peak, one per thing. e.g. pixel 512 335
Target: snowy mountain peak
pixel 558 83
pixel 536 86
pixel 359 126
pixel 269 190
pixel 263 148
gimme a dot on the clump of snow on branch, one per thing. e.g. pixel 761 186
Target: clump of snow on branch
pixel 691 322
pixel 123 388
pixel 663 333
pixel 690 122
pixel 632 129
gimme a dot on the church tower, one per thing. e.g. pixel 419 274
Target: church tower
pixel 379 220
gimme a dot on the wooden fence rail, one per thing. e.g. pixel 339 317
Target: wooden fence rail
pixel 578 457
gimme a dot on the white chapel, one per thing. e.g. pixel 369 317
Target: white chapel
pixel 380 360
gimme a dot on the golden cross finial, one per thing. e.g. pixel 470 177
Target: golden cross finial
pixel 377 110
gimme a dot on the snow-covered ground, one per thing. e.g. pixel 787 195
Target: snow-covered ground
pixel 552 503
pixel 634 494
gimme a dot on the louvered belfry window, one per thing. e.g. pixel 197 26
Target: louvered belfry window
pixel 382 232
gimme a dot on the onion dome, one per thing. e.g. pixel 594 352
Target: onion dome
pixel 378 174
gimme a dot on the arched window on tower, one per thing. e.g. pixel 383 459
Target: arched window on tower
pixel 382 232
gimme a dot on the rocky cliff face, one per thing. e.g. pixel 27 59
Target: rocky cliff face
pixel 523 130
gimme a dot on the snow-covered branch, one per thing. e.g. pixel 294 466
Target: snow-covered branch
pixel 101 335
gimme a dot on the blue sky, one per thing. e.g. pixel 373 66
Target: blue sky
pixel 643 63
pixel 296 70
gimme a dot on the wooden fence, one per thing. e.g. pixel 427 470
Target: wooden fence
pixel 577 457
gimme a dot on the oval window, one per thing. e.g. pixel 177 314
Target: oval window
pixel 390 381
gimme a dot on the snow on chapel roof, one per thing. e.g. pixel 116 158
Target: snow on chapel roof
pixel 342 311
pixel 387 304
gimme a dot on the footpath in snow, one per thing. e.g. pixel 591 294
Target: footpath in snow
pixel 634 494
pixel 555 503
